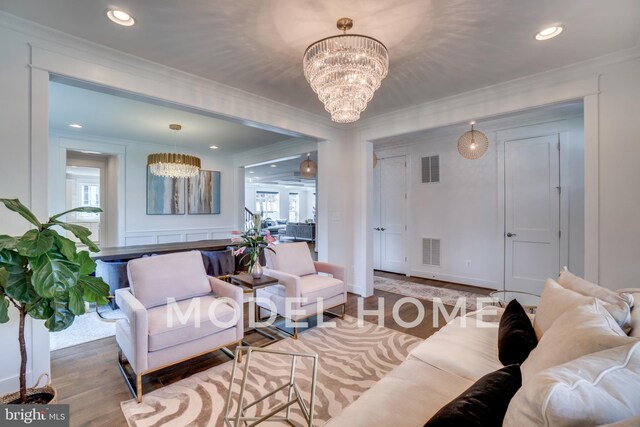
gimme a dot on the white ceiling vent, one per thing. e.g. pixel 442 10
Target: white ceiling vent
pixel 431 252
pixel 431 169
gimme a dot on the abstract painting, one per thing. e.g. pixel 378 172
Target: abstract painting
pixel 203 195
pixel 165 196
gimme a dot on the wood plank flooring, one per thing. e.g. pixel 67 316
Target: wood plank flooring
pixel 86 376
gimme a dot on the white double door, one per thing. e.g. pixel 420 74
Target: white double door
pixel 389 215
pixel 532 212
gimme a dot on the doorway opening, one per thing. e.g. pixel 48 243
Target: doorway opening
pixel 283 192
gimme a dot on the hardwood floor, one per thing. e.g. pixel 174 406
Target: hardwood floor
pixel 86 376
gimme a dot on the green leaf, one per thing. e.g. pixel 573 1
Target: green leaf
pixel 81 233
pixel 17 284
pixel 61 318
pixel 66 247
pixel 85 209
pixel 34 243
pixel 53 276
pixel 16 206
pixel 76 300
pixel 87 265
pixel 4 276
pixel 41 309
pixel 8 242
pixel 95 290
pixel 4 310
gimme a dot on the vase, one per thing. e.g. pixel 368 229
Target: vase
pixel 256 270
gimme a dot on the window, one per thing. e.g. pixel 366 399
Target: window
pixel 294 207
pixel 268 204
pixel 90 195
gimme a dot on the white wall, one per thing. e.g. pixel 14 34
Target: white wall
pixel 138 227
pixel 464 210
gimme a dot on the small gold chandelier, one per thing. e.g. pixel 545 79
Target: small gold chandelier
pixel 473 144
pixel 345 71
pixel 173 165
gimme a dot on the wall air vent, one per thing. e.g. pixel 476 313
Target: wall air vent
pixel 430 169
pixel 431 252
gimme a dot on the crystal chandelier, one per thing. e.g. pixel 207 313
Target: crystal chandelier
pixel 173 165
pixel 473 144
pixel 345 71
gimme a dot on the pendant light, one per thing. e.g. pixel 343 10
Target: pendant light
pixel 473 144
pixel 173 165
pixel 308 168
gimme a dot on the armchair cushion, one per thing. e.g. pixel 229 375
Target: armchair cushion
pixel 188 322
pixel 180 275
pixel 291 258
pixel 312 287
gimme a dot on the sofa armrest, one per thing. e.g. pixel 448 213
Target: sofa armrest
pixel 335 270
pixel 289 281
pixel 227 290
pixel 136 314
pixel 234 293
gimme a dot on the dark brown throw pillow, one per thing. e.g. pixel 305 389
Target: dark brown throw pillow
pixel 483 404
pixel 516 336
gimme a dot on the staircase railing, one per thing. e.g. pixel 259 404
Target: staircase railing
pixel 248 219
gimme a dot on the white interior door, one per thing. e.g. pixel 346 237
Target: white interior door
pixel 392 214
pixel 532 212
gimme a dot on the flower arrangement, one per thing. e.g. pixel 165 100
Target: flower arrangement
pixel 250 247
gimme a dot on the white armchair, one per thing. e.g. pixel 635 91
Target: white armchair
pixel 297 273
pixel 207 314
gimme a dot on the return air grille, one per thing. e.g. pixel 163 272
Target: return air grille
pixel 431 252
pixel 430 169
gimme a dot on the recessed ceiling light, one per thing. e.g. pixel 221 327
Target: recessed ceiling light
pixel 274 166
pixel 120 17
pixel 214 147
pixel 549 32
pixel 75 126
pixel 251 172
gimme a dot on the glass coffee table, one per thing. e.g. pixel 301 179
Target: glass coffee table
pixel 528 300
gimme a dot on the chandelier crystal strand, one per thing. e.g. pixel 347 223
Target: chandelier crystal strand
pixel 345 71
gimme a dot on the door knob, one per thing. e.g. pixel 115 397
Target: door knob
pixel 382 229
pixel 377 228
pixel 511 234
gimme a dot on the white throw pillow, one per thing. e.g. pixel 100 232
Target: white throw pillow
pixel 582 330
pixel 568 280
pixel 595 389
pixel 556 300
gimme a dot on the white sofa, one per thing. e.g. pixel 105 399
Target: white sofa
pixel 439 369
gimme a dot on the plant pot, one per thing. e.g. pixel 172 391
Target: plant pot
pixel 35 395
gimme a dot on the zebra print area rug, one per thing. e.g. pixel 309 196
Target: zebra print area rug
pixel 427 292
pixel 351 360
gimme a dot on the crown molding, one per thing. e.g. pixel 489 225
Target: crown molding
pixel 578 79
pixel 44 40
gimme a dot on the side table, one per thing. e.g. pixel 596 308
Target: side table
pixel 250 285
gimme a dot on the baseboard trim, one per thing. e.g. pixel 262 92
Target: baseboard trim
pixel 461 280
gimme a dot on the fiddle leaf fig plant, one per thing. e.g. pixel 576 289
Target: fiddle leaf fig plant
pixel 43 275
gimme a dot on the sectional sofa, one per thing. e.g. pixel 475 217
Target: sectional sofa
pixel 599 386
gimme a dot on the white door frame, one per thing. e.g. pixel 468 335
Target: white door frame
pixel 560 128
pixel 386 153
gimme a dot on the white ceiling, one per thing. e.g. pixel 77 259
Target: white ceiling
pixel 286 173
pixel 111 116
pixel 436 48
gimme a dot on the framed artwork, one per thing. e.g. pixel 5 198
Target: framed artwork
pixel 165 196
pixel 203 193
